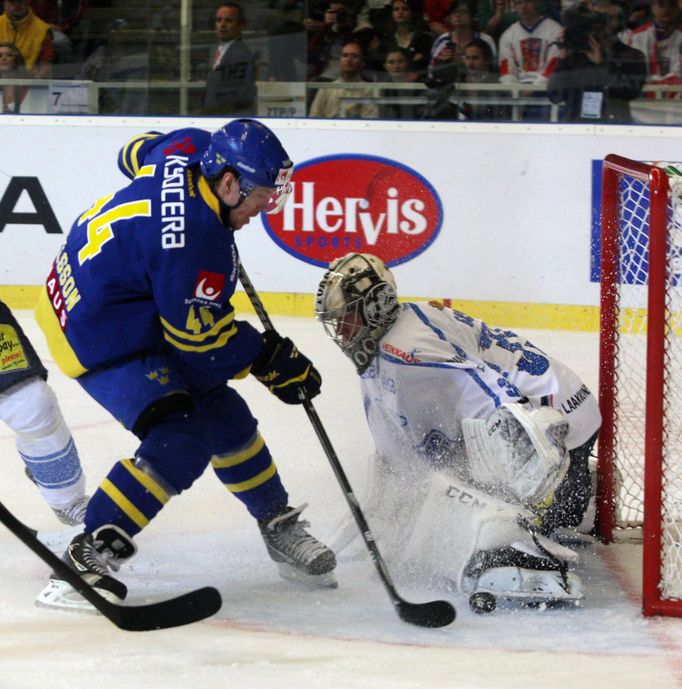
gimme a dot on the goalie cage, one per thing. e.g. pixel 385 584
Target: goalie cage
pixel 640 374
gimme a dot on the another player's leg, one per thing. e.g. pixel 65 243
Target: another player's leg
pixel 46 446
pixel 29 407
pixel 242 462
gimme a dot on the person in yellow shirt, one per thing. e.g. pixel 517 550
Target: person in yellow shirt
pixel 19 25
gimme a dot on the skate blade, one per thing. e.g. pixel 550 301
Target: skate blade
pixel 59 595
pixel 291 573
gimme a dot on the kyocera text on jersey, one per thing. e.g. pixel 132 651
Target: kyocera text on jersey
pixel 173 202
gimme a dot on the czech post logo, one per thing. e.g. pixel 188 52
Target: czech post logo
pixel 359 203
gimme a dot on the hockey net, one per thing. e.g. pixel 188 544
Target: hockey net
pixel 640 446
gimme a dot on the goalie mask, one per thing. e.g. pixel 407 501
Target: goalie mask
pixel 517 451
pixel 357 303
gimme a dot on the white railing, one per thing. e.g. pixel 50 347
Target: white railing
pixel 656 104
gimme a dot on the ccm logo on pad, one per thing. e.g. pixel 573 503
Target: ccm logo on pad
pixel 356 203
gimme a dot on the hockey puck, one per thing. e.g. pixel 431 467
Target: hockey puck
pixel 482 602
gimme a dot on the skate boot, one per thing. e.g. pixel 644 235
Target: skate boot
pixel 533 573
pixel 73 514
pixel 92 556
pixel 299 556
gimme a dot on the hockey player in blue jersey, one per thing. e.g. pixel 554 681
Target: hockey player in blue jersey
pixel 137 309
pixel 482 440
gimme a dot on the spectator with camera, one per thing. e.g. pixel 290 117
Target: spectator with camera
pixel 447 53
pixel 597 75
pixel 329 26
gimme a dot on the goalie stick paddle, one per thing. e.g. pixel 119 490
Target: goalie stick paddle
pixel 437 613
pixel 175 612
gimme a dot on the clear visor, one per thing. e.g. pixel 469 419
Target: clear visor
pixel 344 325
pixel 278 198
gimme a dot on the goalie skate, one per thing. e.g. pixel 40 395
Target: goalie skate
pixel 299 556
pixel 92 556
pixel 531 573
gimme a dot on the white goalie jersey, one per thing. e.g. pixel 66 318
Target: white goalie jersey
pixel 437 366
pixel 434 368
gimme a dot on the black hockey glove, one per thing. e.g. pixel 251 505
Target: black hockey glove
pixel 284 370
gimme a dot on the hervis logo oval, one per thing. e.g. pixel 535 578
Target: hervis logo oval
pixel 360 203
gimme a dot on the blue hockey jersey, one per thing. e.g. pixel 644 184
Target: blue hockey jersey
pixel 151 267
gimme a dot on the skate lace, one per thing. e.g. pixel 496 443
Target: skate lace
pixel 291 536
pixel 96 561
pixel 74 513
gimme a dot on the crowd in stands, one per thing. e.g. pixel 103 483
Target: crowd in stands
pixel 592 57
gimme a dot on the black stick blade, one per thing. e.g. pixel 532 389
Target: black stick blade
pixel 437 613
pixel 186 609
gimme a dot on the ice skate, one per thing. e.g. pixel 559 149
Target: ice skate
pixel 532 573
pixel 73 514
pixel 92 556
pixel 299 556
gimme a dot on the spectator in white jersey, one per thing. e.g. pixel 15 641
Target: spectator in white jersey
pixel 528 49
pixel 661 42
pixel 490 433
pixel 29 407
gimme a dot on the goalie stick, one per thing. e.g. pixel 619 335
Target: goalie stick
pixel 190 607
pixel 437 613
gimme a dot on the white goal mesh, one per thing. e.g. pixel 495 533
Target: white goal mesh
pixel 641 370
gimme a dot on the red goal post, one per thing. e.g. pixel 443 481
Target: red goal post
pixel 640 374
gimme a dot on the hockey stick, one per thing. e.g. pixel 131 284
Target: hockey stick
pixel 437 613
pixel 190 607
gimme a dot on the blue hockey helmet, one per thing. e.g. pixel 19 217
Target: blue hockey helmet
pixel 252 151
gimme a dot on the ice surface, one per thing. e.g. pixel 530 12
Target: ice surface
pixel 277 635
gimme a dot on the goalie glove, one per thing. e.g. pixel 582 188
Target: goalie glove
pixel 520 452
pixel 284 370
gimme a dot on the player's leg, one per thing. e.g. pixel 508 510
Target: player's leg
pixel 44 442
pixel 149 398
pixel 29 407
pixel 243 463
